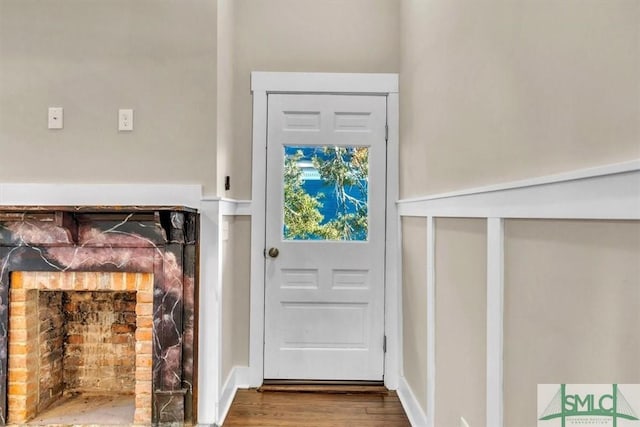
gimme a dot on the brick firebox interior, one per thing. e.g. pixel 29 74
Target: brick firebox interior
pixel 74 332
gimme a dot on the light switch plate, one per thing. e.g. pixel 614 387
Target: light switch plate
pixel 55 118
pixel 125 119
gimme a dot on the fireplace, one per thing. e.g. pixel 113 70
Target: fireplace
pixel 98 301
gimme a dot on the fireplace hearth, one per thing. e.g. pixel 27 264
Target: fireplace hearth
pixel 98 301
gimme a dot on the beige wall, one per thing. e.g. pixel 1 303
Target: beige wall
pixel 93 57
pixel 461 313
pixel 496 90
pixel 226 24
pixel 183 66
pixel 572 307
pixel 304 35
pixel 235 294
pixel 414 306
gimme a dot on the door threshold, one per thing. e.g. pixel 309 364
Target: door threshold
pixel 334 387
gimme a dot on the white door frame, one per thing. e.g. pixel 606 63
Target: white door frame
pixel 264 83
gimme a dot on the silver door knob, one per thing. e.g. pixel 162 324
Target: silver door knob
pixel 273 252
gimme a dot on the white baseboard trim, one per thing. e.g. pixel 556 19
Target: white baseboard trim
pixel 238 378
pixel 411 405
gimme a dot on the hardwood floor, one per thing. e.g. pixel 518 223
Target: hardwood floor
pixel 316 409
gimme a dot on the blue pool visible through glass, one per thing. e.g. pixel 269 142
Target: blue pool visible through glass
pixel 326 193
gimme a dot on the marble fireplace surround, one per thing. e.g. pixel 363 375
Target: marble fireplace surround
pixel 162 240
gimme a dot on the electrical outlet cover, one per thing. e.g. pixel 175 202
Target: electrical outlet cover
pixel 125 119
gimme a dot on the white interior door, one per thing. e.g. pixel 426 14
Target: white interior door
pixel 325 236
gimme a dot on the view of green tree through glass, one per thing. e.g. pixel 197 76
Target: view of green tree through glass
pixel 325 193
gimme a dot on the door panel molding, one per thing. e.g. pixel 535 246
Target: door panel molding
pixel 264 83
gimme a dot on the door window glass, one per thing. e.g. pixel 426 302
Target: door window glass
pixel 326 193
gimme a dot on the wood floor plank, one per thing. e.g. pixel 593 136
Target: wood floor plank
pixel 316 409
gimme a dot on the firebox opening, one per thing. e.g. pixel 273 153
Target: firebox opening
pixel 85 347
pixel 80 348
